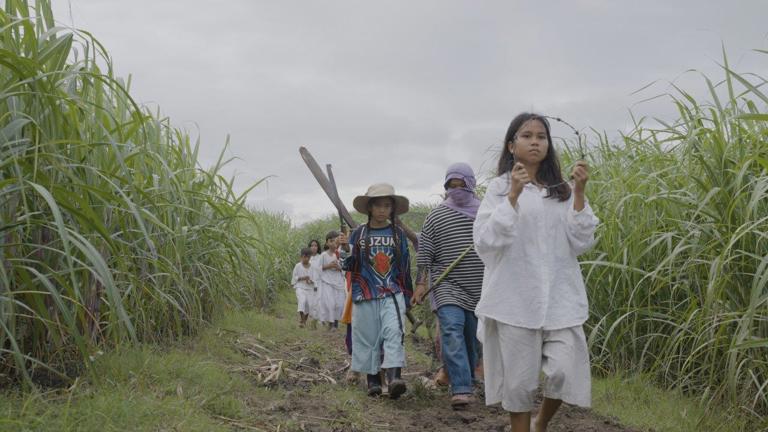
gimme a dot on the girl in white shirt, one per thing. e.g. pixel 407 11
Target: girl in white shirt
pixel 529 230
pixel 314 262
pixel 332 291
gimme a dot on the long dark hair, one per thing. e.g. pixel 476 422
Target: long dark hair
pixel 549 170
pixel 317 242
pixel 395 234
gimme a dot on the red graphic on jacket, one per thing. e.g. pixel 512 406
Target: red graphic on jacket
pixel 382 263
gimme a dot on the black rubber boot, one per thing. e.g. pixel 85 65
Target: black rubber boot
pixel 374 385
pixel 395 383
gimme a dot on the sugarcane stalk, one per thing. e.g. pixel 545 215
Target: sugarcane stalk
pixel 450 268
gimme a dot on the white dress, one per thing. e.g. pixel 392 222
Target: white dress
pixel 314 264
pixel 305 291
pixel 331 290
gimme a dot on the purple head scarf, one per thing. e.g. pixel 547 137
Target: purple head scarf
pixel 462 200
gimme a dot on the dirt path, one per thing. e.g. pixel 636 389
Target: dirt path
pixel 304 372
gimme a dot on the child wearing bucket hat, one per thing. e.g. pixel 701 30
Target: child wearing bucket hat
pixel 377 258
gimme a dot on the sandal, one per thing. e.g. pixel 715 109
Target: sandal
pixel 459 401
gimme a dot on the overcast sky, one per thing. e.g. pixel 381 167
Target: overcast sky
pixel 397 90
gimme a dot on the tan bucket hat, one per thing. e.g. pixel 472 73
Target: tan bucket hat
pixel 380 190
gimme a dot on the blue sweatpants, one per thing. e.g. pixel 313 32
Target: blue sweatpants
pixel 375 324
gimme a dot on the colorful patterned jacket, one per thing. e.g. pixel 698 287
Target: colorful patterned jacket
pixel 381 273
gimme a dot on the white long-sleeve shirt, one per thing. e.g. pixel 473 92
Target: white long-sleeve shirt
pixel 331 277
pixel 299 271
pixel 314 263
pixel 532 278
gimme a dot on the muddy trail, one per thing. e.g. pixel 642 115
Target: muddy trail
pixel 303 373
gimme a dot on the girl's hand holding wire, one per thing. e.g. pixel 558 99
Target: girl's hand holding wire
pixel 580 175
pixel 519 178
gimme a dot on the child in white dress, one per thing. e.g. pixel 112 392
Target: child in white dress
pixel 304 285
pixel 332 287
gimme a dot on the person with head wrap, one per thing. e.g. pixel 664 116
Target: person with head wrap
pixel 446 234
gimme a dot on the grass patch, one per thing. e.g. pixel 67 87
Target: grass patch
pixel 635 402
pixel 103 409
pixel 417 357
pixel 187 387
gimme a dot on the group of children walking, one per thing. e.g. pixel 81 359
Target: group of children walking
pixel 319 283
pixel 528 307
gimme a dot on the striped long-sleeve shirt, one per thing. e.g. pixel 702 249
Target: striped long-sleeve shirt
pixel 445 235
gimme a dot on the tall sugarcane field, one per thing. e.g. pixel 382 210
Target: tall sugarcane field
pixel 140 290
